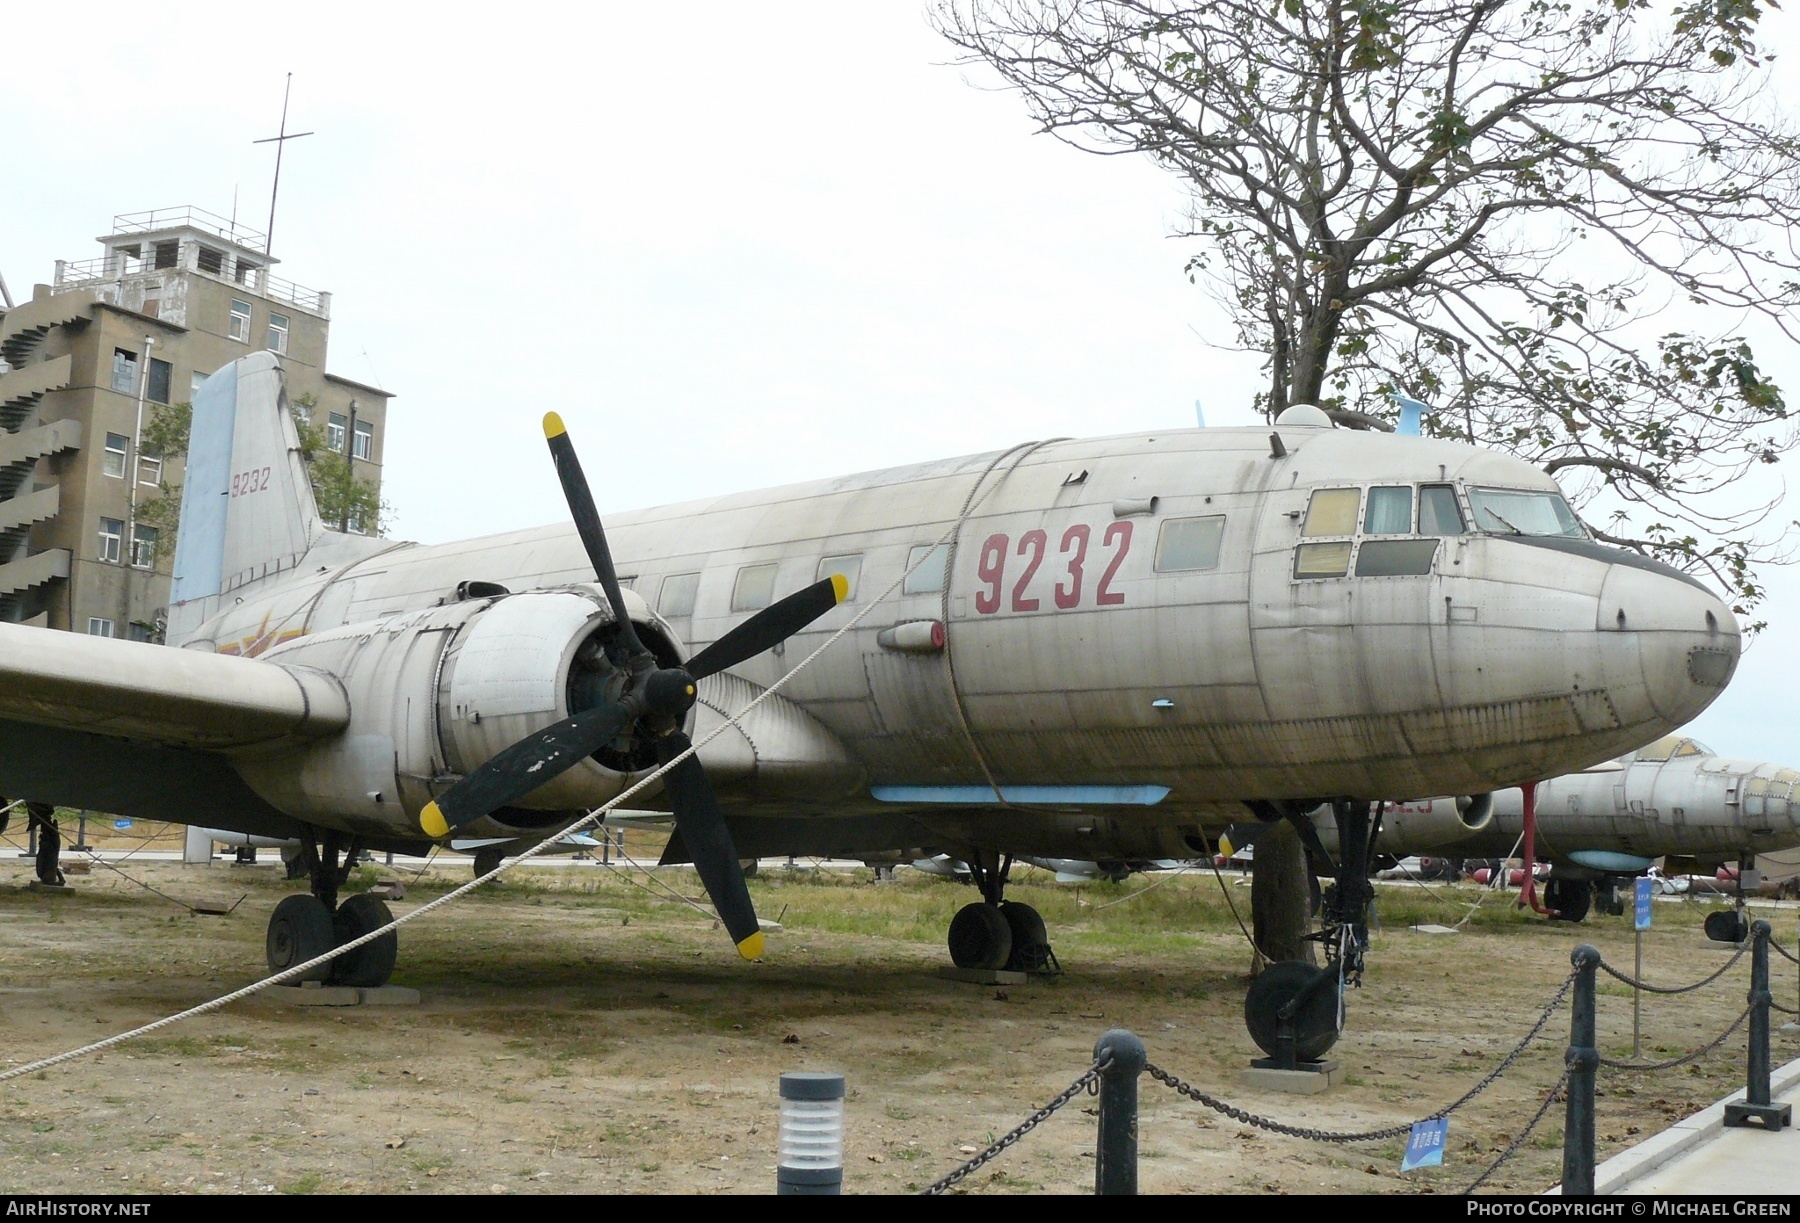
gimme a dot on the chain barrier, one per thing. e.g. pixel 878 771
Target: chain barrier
pixel 1785 953
pixel 1525 1133
pixel 1785 1010
pixel 1648 988
pixel 1294 1131
pixel 1087 1082
pixel 1692 1055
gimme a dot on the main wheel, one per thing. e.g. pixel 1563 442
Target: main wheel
pixel 373 963
pixel 980 937
pixel 1727 926
pixel 1030 938
pixel 1315 1024
pixel 299 930
pixel 487 861
pixel 1568 899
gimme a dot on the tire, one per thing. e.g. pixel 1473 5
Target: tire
pixel 373 963
pixel 1727 926
pixel 299 930
pixel 1315 1024
pixel 487 860
pixel 1030 937
pixel 1568 898
pixel 980 937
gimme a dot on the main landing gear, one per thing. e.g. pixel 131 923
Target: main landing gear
pixel 1293 1010
pixel 998 933
pixel 305 927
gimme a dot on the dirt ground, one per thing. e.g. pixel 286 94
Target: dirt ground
pixel 581 1030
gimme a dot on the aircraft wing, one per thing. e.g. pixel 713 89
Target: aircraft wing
pixel 157 695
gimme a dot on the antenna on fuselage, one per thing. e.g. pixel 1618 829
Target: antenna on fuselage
pixel 1199 414
pixel 1412 413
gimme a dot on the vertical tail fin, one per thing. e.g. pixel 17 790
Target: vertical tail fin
pixel 247 508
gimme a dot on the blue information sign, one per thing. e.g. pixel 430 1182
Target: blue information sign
pixel 1425 1148
pixel 1645 885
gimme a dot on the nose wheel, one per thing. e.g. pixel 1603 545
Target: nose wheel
pixel 998 934
pixel 303 928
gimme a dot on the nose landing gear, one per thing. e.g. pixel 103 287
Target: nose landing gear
pixel 306 927
pixel 999 934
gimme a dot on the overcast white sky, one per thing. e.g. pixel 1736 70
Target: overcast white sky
pixel 734 245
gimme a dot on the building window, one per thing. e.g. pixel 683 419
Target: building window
pixel 98 627
pixel 240 322
pixel 334 433
pixel 113 461
pixel 137 630
pixel 143 546
pixel 677 597
pixel 161 375
pixel 167 254
pixel 246 271
pixel 194 385
pixel 211 261
pixel 124 376
pixel 150 467
pixel 112 534
pixel 278 331
pixel 363 443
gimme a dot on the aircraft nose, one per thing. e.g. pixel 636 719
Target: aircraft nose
pixel 1667 637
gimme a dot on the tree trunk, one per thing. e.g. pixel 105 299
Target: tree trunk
pixel 1281 896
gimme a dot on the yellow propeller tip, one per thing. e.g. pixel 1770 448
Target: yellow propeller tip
pixel 840 586
pixel 1225 846
pixel 752 947
pixel 553 426
pixel 433 822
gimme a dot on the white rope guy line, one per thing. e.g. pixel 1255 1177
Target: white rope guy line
pixel 590 819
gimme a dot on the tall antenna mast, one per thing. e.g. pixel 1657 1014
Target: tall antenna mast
pixel 279 141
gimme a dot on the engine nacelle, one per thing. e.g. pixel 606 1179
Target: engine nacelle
pixel 1433 823
pixel 435 693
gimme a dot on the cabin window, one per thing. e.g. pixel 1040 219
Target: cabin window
pixel 1189 543
pixel 1330 560
pixel 755 588
pixel 1389 512
pixel 1438 512
pixel 677 595
pixel 1332 512
pixel 849 567
pixel 1518 511
pixel 925 569
pixel 1387 558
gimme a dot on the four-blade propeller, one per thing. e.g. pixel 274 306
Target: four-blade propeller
pixel 654 703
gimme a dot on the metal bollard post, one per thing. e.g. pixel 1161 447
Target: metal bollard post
pixel 1583 1060
pixel 1115 1148
pixel 1756 1105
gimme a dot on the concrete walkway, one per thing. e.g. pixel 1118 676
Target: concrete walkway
pixel 1698 1155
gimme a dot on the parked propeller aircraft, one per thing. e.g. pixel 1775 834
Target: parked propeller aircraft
pixel 1671 799
pixel 1099 649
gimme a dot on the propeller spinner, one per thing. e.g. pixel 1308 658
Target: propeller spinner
pixel 655 700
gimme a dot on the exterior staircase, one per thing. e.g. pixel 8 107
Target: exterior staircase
pixel 23 441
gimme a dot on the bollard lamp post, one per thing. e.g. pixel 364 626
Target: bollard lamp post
pixel 812 1134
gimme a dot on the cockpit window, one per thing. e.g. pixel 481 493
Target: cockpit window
pixel 1332 511
pixel 1389 512
pixel 1438 512
pixel 1671 746
pixel 1518 511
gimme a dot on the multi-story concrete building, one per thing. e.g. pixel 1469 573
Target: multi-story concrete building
pixel 86 363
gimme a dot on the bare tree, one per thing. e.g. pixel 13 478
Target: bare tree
pixel 1485 204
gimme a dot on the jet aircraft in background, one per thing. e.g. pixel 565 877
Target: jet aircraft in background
pixel 1672 799
pixel 1099 649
